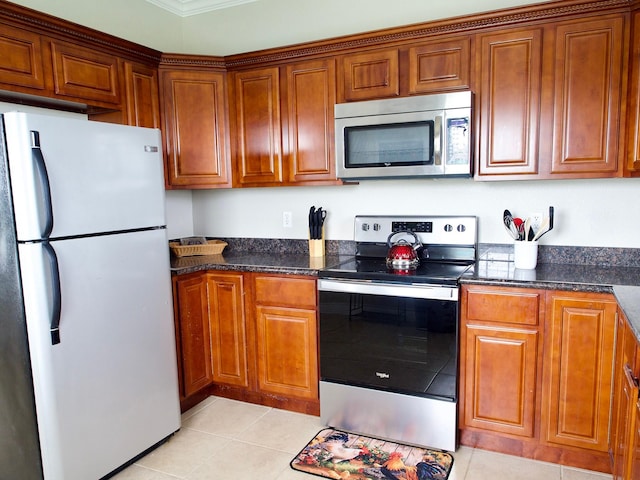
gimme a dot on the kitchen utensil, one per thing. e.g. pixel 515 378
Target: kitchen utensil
pixel 403 255
pixel 544 228
pixel 519 227
pixel 312 223
pixel 320 216
pixel 507 219
pixel 549 227
pixel 527 229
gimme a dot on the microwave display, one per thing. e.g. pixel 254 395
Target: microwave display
pixel 400 144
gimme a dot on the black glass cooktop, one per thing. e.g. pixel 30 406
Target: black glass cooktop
pixel 441 273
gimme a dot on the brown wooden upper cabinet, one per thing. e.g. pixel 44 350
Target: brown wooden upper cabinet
pixel 142 97
pixel 369 75
pixel 81 73
pixel 255 107
pixel 633 100
pixel 195 128
pixel 587 90
pixel 550 100
pixel 113 88
pixel 510 76
pixel 440 65
pixel 21 59
pixel 282 122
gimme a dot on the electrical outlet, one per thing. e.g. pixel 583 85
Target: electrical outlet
pixel 536 221
pixel 287 219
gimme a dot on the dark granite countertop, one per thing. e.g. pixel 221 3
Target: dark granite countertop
pixel 282 263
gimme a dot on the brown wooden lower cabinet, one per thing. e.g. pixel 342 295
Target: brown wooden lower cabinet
pixel 578 365
pixel 536 373
pixel 634 471
pixel 192 333
pixel 248 336
pixel 625 429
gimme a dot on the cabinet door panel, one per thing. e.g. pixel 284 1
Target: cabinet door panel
pixel 438 66
pixel 258 127
pixel 141 83
pixel 578 373
pixel 85 74
pixel 588 76
pixel 633 99
pixel 370 75
pixel 287 351
pixel 194 334
pixel 634 468
pixel 511 76
pixel 500 379
pixel 311 96
pixel 21 58
pixel 228 334
pixel 195 129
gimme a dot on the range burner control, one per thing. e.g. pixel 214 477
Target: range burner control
pixel 417 227
pixel 431 230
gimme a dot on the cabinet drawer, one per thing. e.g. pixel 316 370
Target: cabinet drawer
pixel 502 305
pixel 285 291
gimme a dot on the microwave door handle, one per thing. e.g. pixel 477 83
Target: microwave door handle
pixel 437 140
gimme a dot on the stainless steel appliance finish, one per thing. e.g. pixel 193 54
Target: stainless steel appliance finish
pixel 88 373
pixel 388 338
pixel 428 135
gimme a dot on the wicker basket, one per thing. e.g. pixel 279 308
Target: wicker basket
pixel 213 247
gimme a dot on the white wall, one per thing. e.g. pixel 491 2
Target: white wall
pixel 254 26
pixel 588 212
pixel 179 213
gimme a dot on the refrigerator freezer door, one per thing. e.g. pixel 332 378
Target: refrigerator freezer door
pixel 102 177
pixel 109 390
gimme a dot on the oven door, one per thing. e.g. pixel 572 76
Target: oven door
pixel 399 338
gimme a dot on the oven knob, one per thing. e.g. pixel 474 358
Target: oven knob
pixel 376 227
pixel 448 228
pixel 461 228
pixel 365 227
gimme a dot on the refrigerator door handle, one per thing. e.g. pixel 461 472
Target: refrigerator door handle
pixel 38 159
pixel 56 293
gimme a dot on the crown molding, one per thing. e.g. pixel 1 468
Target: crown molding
pixel 186 8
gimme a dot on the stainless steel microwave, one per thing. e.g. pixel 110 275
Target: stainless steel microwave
pixel 419 136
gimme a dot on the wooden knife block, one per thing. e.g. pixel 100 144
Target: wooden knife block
pixel 316 247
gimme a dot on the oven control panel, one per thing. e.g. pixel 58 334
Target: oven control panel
pixel 441 230
pixel 415 227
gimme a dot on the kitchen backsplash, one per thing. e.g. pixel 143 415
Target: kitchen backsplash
pixel 615 257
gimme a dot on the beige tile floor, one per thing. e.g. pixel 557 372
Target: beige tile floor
pixel 224 439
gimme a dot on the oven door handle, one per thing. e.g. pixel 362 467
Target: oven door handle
pixel 409 290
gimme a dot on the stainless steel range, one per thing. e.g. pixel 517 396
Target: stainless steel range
pixel 389 337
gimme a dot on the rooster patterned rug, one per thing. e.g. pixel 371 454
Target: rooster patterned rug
pixel 340 455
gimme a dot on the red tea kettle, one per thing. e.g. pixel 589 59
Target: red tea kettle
pixel 403 255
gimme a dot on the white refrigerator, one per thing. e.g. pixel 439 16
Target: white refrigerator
pixel 88 373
